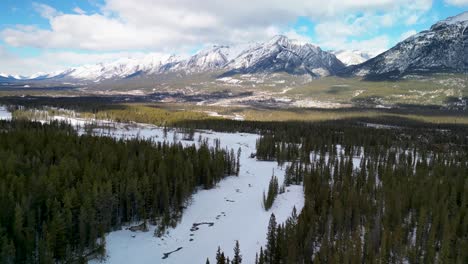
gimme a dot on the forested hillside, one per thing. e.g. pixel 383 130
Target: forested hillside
pixel 61 192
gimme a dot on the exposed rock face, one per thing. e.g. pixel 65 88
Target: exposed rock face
pixel 443 48
pixel 281 54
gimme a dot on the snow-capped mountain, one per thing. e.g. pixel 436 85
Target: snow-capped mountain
pixel 281 54
pixel 119 69
pixel 353 57
pixel 9 77
pixel 4 76
pixel 207 60
pixel 442 48
pixel 204 61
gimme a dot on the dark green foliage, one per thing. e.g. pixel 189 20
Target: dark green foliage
pixel 222 259
pixel 407 200
pixel 237 259
pixel 273 189
pixel 61 192
pixel 271 246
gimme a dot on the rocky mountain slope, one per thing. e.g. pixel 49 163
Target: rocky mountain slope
pixel 281 54
pixel 9 77
pixel 442 48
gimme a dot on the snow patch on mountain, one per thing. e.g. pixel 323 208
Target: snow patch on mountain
pixel 353 57
pixel 442 48
pixel 281 54
pixel 463 17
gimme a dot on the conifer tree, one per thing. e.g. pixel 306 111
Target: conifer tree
pixel 261 258
pixel 270 249
pixel 237 259
pixel 220 258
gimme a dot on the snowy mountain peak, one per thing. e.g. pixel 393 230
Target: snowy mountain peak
pixel 443 48
pixel 281 54
pixel 278 54
pixel 279 40
pixel 353 57
pixel 461 18
pixel 207 59
pixel 286 42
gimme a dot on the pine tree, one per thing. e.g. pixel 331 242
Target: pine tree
pixel 270 249
pixel 237 259
pixel 272 193
pixel 220 258
pixel 261 258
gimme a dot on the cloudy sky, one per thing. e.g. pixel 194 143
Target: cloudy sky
pixel 50 35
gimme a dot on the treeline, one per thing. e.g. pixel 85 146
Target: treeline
pixel 61 192
pixel 372 196
pixel 300 140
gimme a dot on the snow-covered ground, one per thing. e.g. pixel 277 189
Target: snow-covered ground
pixel 234 206
pixel 233 117
pixel 4 113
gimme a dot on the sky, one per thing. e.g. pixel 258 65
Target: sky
pixel 51 35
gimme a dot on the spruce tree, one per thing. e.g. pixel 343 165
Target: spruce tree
pixel 261 258
pixel 237 259
pixel 270 248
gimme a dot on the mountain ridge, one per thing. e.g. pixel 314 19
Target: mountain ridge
pixel 296 58
pixel 441 48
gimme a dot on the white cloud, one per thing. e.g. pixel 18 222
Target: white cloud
pixel 363 31
pixel 457 2
pixel 298 35
pixel 79 11
pixel 166 25
pixel 411 20
pixel 407 34
pixel 175 26
pixel 45 11
pixel 54 61
pixel 374 45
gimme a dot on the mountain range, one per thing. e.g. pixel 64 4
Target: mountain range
pixel 442 48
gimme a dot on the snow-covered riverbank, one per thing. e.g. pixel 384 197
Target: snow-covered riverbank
pixel 233 210
pixel 234 207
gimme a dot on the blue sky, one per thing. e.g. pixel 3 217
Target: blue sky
pixel 48 35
